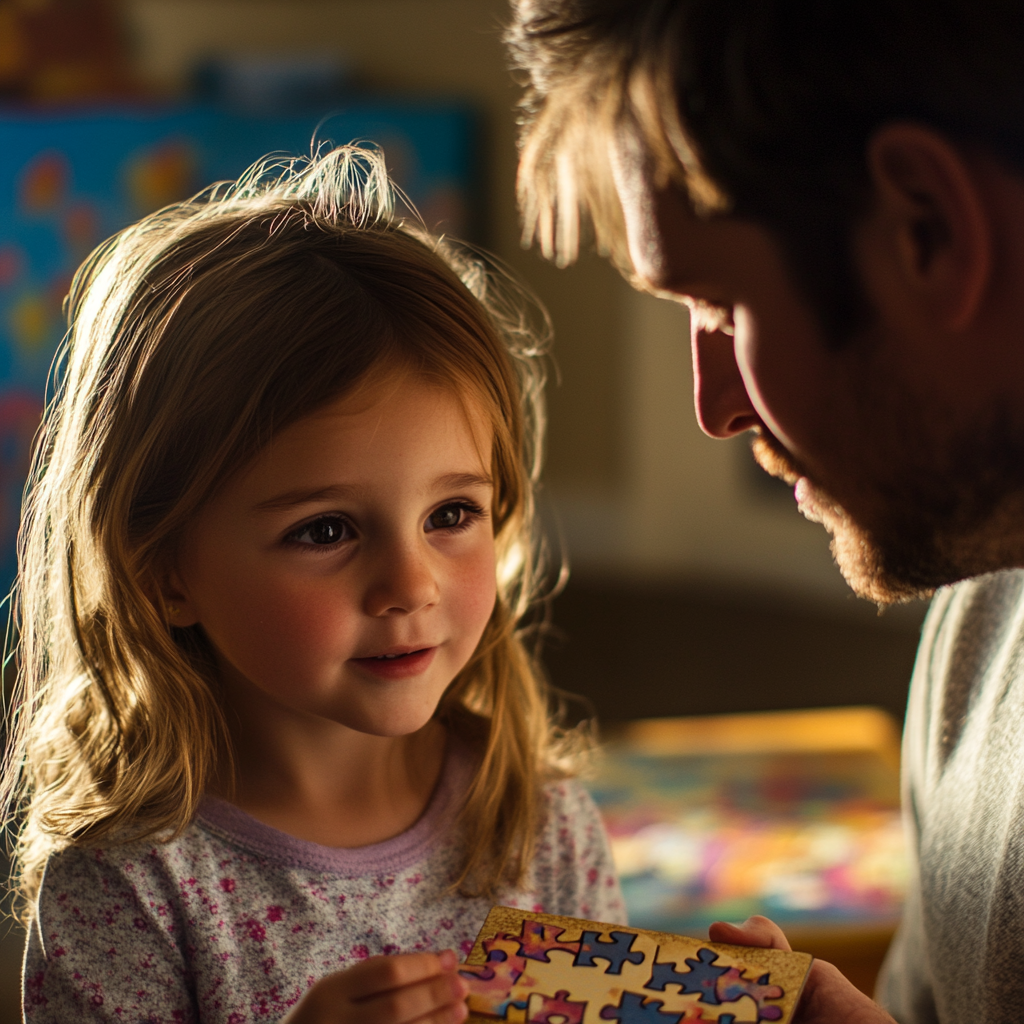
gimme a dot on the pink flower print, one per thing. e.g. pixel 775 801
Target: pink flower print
pixel 466 946
pixel 275 913
pixel 254 929
pixel 34 990
pixel 236 1018
pixel 227 884
pixel 140 923
pixel 390 950
pixel 592 875
pixel 360 952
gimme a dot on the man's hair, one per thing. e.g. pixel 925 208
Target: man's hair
pixel 758 108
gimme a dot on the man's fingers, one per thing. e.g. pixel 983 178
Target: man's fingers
pixel 384 973
pixel 755 931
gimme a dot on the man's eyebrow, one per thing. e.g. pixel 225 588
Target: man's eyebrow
pixel 305 496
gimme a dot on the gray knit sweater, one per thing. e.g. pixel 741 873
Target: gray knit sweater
pixel 959 955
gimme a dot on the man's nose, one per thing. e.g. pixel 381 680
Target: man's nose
pixel 403 580
pixel 719 396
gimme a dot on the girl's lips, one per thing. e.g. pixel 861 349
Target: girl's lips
pixel 402 667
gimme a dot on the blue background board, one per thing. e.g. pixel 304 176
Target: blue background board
pixel 67 181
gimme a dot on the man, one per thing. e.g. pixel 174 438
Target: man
pixel 836 189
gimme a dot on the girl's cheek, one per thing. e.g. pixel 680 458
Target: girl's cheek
pixel 278 617
pixel 477 588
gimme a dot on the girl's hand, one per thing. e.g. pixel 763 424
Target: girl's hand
pixel 401 989
pixel 828 997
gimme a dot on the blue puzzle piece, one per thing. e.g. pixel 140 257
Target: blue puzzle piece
pixel 701 978
pixel 633 1010
pixel 616 952
pixel 666 974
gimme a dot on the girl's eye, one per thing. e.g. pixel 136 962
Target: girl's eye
pixel 322 531
pixel 457 515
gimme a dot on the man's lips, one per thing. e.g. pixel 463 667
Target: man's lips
pixel 803 492
pixel 397 662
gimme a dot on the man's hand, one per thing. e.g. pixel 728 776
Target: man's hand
pixel 424 988
pixel 828 998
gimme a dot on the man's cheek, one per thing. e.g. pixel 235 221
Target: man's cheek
pixel 747 341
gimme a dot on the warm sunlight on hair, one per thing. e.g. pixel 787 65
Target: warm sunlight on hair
pixel 196 337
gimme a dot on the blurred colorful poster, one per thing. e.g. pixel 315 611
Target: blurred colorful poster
pixel 806 839
pixel 69 181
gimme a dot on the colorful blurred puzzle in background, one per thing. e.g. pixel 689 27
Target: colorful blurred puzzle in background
pixel 69 180
pixel 794 815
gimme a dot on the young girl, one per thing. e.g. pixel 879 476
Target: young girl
pixel 276 718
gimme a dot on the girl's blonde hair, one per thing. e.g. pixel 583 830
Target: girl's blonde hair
pixel 196 335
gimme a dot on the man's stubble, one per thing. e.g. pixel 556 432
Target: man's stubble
pixel 952 507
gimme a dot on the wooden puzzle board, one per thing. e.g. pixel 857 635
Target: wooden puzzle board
pixel 530 968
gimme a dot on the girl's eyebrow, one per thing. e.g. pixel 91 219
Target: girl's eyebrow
pixel 304 496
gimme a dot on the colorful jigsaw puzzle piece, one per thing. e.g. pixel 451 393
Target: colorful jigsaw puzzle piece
pixel 732 986
pixel 617 951
pixel 701 978
pixel 537 940
pixel 555 1010
pixel 490 984
pixel 716 985
pixel 633 1010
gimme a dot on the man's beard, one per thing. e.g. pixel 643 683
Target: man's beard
pixel 937 519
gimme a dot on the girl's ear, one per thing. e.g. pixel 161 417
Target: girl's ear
pixel 930 218
pixel 174 598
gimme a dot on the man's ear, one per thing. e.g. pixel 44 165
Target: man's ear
pixel 931 216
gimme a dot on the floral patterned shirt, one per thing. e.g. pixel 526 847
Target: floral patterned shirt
pixel 231 922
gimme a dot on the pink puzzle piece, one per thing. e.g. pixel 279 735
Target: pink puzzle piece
pixel 733 985
pixel 490 984
pixel 537 940
pixel 557 1010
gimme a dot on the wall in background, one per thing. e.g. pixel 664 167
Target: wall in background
pixel 436 47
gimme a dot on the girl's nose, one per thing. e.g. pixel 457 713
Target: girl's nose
pixel 723 407
pixel 403 582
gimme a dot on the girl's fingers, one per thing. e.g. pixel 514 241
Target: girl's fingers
pixel 454 1014
pixel 381 974
pixel 755 931
pixel 442 995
